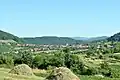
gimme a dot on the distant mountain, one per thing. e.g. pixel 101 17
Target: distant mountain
pixel 9 37
pixel 115 37
pixel 6 37
pixel 90 39
pixel 97 38
pixel 80 38
pixel 51 40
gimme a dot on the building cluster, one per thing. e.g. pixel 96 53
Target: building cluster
pixel 36 47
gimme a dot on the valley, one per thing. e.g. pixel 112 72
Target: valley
pixel 96 60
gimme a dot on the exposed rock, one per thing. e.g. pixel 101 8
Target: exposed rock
pixel 22 69
pixel 62 73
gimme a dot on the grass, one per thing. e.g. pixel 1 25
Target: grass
pixel 114 64
pixel 4 75
pixel 96 78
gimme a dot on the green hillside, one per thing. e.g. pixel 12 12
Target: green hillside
pixel 8 36
pixel 51 40
pixel 115 37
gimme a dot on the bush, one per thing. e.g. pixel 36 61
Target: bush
pixel 77 65
pixel 101 56
pixel 46 60
pixel 7 60
pixel 23 58
pixel 116 56
pixel 105 69
pixel 91 71
pixel 115 71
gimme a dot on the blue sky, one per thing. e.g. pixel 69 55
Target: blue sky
pixel 78 18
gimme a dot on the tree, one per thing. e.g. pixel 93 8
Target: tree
pixel 23 57
pixel 66 50
pixel 77 65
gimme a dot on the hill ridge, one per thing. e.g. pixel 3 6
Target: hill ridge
pixel 50 40
pixel 7 36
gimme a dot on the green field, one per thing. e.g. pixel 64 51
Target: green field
pixel 5 75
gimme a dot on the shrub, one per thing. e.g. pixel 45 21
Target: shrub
pixel 92 71
pixel 101 56
pixel 7 60
pixel 23 58
pixel 77 65
pixel 116 56
pixel 105 69
pixel 115 70
pixel 46 60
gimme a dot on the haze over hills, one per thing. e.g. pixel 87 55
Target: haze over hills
pixel 90 39
pixel 80 38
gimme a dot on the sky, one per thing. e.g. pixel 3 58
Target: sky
pixel 69 18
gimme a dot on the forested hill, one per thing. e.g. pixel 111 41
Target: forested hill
pixel 8 36
pixel 51 40
pixel 115 37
